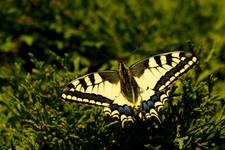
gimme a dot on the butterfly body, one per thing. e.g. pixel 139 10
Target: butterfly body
pixel 130 88
pixel 139 90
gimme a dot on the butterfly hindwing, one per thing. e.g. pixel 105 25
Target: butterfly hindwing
pixel 124 113
pixel 151 107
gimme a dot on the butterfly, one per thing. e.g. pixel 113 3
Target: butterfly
pixel 138 91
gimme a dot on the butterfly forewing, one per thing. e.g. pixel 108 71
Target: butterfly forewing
pixel 158 72
pixel 95 88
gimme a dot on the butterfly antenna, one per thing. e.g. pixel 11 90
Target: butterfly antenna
pixel 134 50
pixel 104 55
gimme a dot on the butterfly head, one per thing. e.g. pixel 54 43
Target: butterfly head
pixel 124 71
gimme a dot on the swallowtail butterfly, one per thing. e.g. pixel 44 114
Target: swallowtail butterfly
pixel 136 91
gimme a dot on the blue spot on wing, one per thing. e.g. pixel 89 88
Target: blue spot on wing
pixel 127 110
pixel 147 105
